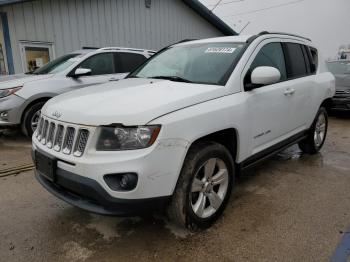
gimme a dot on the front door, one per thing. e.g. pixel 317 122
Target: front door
pixel 269 106
pixel 103 69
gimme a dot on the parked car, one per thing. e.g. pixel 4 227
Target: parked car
pixel 179 128
pixel 341 71
pixel 22 96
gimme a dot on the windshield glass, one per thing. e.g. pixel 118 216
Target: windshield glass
pixel 57 65
pixel 339 67
pixel 208 63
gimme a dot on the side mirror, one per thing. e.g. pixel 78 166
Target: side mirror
pixel 81 72
pixel 265 75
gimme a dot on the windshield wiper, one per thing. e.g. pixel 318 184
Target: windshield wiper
pixel 172 78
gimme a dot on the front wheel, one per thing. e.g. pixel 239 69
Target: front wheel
pixel 31 119
pixel 204 186
pixel 317 133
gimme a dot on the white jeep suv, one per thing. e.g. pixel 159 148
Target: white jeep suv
pixel 179 128
pixel 23 95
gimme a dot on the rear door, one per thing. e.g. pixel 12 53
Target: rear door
pixel 301 76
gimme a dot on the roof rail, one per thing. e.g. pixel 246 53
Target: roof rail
pixel 110 48
pixel 282 33
pixel 90 47
pixel 184 40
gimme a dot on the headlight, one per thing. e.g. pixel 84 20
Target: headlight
pixel 9 91
pixel 126 138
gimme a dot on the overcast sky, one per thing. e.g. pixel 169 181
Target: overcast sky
pixel 326 22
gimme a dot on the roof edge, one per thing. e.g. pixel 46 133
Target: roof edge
pixel 10 2
pixel 208 15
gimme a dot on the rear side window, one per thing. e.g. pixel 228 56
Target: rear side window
pixel 127 62
pixel 296 61
pixel 99 64
pixel 271 55
pixel 313 59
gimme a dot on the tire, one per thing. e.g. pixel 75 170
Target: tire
pixel 201 157
pixel 28 118
pixel 317 133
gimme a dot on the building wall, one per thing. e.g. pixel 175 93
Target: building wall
pixel 72 24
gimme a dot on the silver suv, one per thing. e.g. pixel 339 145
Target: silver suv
pixel 22 96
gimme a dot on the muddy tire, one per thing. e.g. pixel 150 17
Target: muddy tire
pixel 204 186
pixel 317 133
pixel 30 119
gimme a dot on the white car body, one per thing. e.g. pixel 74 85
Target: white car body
pixel 40 88
pixel 186 112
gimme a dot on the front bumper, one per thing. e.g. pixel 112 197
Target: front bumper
pixel 88 195
pixel 12 106
pixel 341 104
pixel 80 180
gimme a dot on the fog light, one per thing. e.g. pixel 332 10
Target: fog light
pixel 121 182
pixel 4 115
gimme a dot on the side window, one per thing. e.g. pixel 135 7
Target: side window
pixel 314 59
pixel 296 62
pixel 100 64
pixel 271 55
pixel 127 62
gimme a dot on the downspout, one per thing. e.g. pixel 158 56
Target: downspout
pixel 8 48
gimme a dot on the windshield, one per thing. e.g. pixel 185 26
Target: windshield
pixel 339 67
pixel 57 65
pixel 208 63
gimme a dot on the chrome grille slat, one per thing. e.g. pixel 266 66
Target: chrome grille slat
pixel 81 142
pixel 61 137
pixel 40 128
pixel 44 132
pixel 58 138
pixel 50 135
pixel 68 140
pixel 341 94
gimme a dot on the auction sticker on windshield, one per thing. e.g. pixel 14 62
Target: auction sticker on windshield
pixel 226 50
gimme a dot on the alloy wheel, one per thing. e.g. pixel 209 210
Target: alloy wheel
pixel 320 130
pixel 34 121
pixel 209 188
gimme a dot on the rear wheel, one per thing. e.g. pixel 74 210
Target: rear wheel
pixel 317 133
pixel 31 119
pixel 204 186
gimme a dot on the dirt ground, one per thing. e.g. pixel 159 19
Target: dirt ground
pixel 293 208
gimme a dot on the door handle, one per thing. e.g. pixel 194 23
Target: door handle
pixel 289 91
pixel 113 79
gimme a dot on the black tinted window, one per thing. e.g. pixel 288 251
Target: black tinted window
pixel 313 59
pixel 99 64
pixel 296 61
pixel 271 55
pixel 127 62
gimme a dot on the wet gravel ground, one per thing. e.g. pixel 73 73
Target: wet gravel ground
pixel 292 208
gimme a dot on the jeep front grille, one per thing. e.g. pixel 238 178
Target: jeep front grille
pixel 62 137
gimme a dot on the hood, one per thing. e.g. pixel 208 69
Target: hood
pixel 342 82
pixel 132 101
pixel 19 80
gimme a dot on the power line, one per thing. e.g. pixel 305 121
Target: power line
pixel 266 8
pixel 225 3
pixel 216 5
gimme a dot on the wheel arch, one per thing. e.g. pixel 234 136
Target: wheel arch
pixel 31 103
pixel 228 137
pixel 327 104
